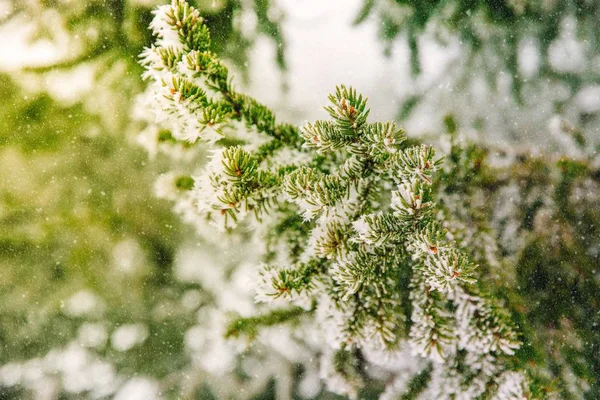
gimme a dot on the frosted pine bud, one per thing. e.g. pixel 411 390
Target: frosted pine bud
pixel 162 27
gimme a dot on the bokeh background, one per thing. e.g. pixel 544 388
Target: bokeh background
pixel 104 291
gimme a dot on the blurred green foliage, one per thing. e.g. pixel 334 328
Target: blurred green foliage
pixel 533 57
pixel 77 210
pixel 69 196
pixel 543 214
pixel 488 26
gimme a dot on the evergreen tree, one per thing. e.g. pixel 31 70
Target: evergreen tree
pixel 342 253
pixel 353 235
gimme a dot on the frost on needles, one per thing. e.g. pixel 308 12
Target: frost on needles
pixel 347 212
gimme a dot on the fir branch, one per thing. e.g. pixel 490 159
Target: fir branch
pixel 368 204
pixel 288 282
pixel 183 47
pixel 251 326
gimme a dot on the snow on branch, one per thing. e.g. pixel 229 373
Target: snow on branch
pixel 347 210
